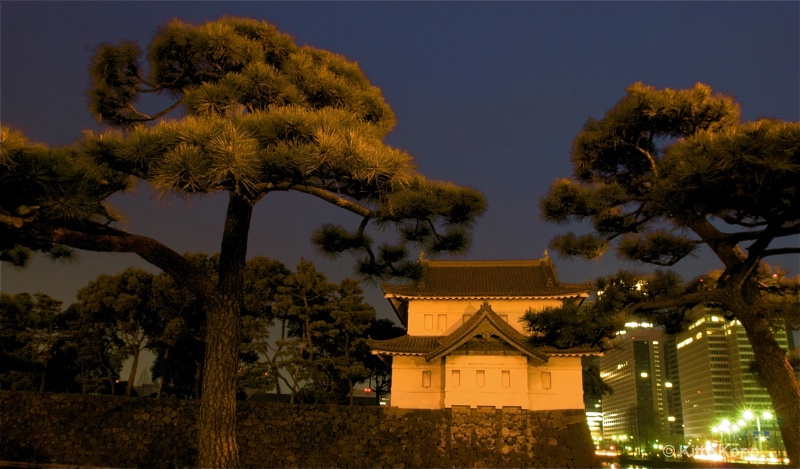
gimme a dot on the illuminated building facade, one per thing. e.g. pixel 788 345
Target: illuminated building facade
pixel 594 405
pixel 714 357
pixel 705 380
pixel 637 414
pixel 465 344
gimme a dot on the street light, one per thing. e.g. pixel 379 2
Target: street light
pixel 766 415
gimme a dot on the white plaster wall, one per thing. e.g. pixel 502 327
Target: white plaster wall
pixel 407 389
pixel 566 379
pixel 525 388
pixel 454 312
pixel 493 392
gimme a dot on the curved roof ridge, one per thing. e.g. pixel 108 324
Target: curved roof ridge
pixel 534 278
pixel 486 262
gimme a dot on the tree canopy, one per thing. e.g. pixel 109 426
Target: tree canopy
pixel 249 113
pixel 665 172
pixel 324 349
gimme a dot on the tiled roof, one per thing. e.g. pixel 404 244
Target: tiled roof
pixel 488 279
pixel 406 345
pixel 482 322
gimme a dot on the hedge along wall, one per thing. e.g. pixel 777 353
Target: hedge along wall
pixel 112 431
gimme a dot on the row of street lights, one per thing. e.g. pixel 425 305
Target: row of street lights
pixel 726 427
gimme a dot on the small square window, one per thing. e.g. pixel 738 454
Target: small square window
pixel 480 378
pixel 426 379
pixel 547 382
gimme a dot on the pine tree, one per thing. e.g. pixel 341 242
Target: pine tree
pixel 665 172
pixel 258 114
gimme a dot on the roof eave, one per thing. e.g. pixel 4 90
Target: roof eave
pixel 574 354
pixel 485 297
pixel 396 353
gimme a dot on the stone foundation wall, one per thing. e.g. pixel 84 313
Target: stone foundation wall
pixel 113 431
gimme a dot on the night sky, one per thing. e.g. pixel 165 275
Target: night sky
pixel 487 94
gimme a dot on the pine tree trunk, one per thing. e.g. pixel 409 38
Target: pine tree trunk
pixel 163 373
pixel 779 377
pixel 198 379
pixel 132 375
pixel 217 423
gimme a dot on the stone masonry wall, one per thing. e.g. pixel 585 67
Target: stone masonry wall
pixel 113 431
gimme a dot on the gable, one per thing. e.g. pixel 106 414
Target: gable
pixel 485 324
pixel 491 345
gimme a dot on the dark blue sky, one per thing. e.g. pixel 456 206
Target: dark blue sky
pixel 487 94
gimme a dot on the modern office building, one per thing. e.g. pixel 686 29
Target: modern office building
pixel 637 414
pixel 672 391
pixel 714 357
pixel 594 417
pixel 593 403
pixel 705 381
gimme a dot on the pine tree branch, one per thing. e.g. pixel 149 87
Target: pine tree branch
pixel 723 246
pixel 738 221
pixel 689 299
pixel 15 222
pixel 650 159
pixel 147 118
pixel 96 237
pixel 779 251
pixel 337 200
